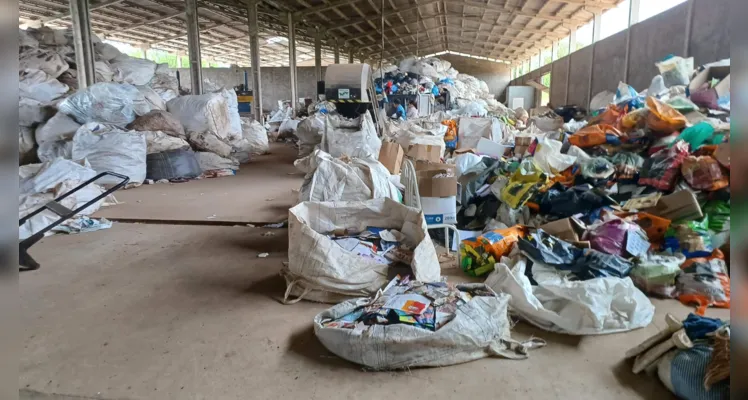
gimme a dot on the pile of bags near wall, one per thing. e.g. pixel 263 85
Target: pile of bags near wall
pixel 186 136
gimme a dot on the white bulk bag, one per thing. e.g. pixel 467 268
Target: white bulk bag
pixel 36 84
pixel 54 172
pixel 25 144
pixel 557 304
pixel 320 270
pixel 355 137
pixel 135 71
pixel 51 150
pixel 104 71
pixel 309 133
pixel 158 120
pixel 105 51
pixel 32 112
pixel 256 135
pixel 208 141
pixel 235 123
pixel 59 127
pixel 155 102
pixel 109 149
pixel 480 328
pixel 289 126
pixel 46 60
pixel 157 142
pixel 211 161
pixel 200 113
pixel 333 179
pixel 471 130
pixel 110 103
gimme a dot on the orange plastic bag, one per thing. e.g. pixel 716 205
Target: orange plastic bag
pixel 704 173
pixel 591 136
pixel 611 116
pixel 479 255
pixel 654 226
pixel 634 120
pixel 663 119
pixel 704 282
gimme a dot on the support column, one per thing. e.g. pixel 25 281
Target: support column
pixel 318 53
pixel 634 12
pixel 193 45
pixel 634 8
pixel 254 55
pixel 597 27
pixel 180 54
pixel 84 55
pixel 337 52
pixel 572 47
pixel 573 41
pixel 350 56
pixel 292 59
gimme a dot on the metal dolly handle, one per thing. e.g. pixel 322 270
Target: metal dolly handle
pixel 25 261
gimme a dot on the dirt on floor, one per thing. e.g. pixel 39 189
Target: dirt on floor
pixel 144 311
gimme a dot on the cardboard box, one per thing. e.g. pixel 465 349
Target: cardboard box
pixel 391 156
pixel 568 229
pixel 425 152
pixel 431 184
pixel 677 206
pixel 490 148
pixel 439 210
pixel 438 192
pixel 721 73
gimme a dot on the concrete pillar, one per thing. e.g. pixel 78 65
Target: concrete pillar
pixel 254 54
pixel 193 44
pixel 573 41
pixel 554 50
pixel 84 54
pixel 597 27
pixel 180 54
pixel 318 53
pixel 336 53
pixel 350 56
pixel 634 12
pixel 292 59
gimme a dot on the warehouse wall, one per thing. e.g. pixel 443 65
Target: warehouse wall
pixel 650 41
pixel 276 81
pixel 496 75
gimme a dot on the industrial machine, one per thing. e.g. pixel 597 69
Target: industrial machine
pixel 244 95
pixel 351 88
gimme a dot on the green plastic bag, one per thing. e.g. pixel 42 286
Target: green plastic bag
pixel 696 135
pixel 718 212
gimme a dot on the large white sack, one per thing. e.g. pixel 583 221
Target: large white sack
pixel 155 102
pixel 46 60
pixel 288 126
pixel 355 179
pixel 320 270
pixel 471 130
pixel 135 71
pixel 235 123
pixel 51 150
pixel 105 51
pixel 557 304
pixel 32 112
pixel 59 127
pixel 211 161
pixel 549 158
pixel 25 145
pixel 480 328
pixel 54 172
pixel 419 131
pixel 309 133
pixel 208 141
pixel 165 84
pixel 109 149
pixel 110 103
pixel 355 137
pixel 26 39
pixel 157 142
pixel 256 135
pixel 104 72
pixel 202 113
pixel 36 84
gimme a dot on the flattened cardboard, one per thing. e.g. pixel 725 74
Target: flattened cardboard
pixel 643 202
pixel 391 156
pixel 568 229
pixel 425 152
pixel 680 205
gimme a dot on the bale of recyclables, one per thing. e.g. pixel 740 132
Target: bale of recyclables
pixel 480 329
pixel 320 270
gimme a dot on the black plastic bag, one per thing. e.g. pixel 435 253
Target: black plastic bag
pixel 595 264
pixel 548 249
pixel 172 164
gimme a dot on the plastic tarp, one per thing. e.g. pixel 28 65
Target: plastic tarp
pixel 320 270
pixel 558 304
pixel 480 328
pixel 110 103
pixel 332 179
pixel 135 71
pixel 36 84
pixel 110 149
pixel 202 113
pixel 351 137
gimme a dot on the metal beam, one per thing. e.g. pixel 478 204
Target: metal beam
pixel 292 58
pixel 336 51
pixel 253 27
pixel 147 22
pixel 318 54
pixel 323 7
pixel 84 55
pixel 193 43
pixel 91 7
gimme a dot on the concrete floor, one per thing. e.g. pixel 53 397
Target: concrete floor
pixel 260 193
pixel 145 311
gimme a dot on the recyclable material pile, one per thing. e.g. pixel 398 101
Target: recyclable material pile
pixel 132 121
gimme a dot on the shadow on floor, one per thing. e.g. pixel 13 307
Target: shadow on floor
pixel 304 343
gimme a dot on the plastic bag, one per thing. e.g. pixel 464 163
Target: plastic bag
pixel 676 71
pixel 682 104
pixel 704 173
pixel 109 149
pixel 662 118
pixel 609 237
pixel 634 120
pixel 627 165
pixel 135 71
pixel 697 135
pixel 690 238
pixel 543 247
pixel 611 116
pixel 59 127
pixel 523 184
pixel 235 123
pixel 158 120
pixel 655 274
pixel 594 135
pixel 661 169
pixel 704 282
pixel 627 96
pixel 598 168
pixel 111 103
pixel 596 264
pixel 157 142
pixel 172 164
pixel 549 158
pixel 40 59
pixel 718 212
pixel 478 256
pixel 654 226
pixel 208 141
pixel 657 88
pixel 51 150
pixel 36 84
